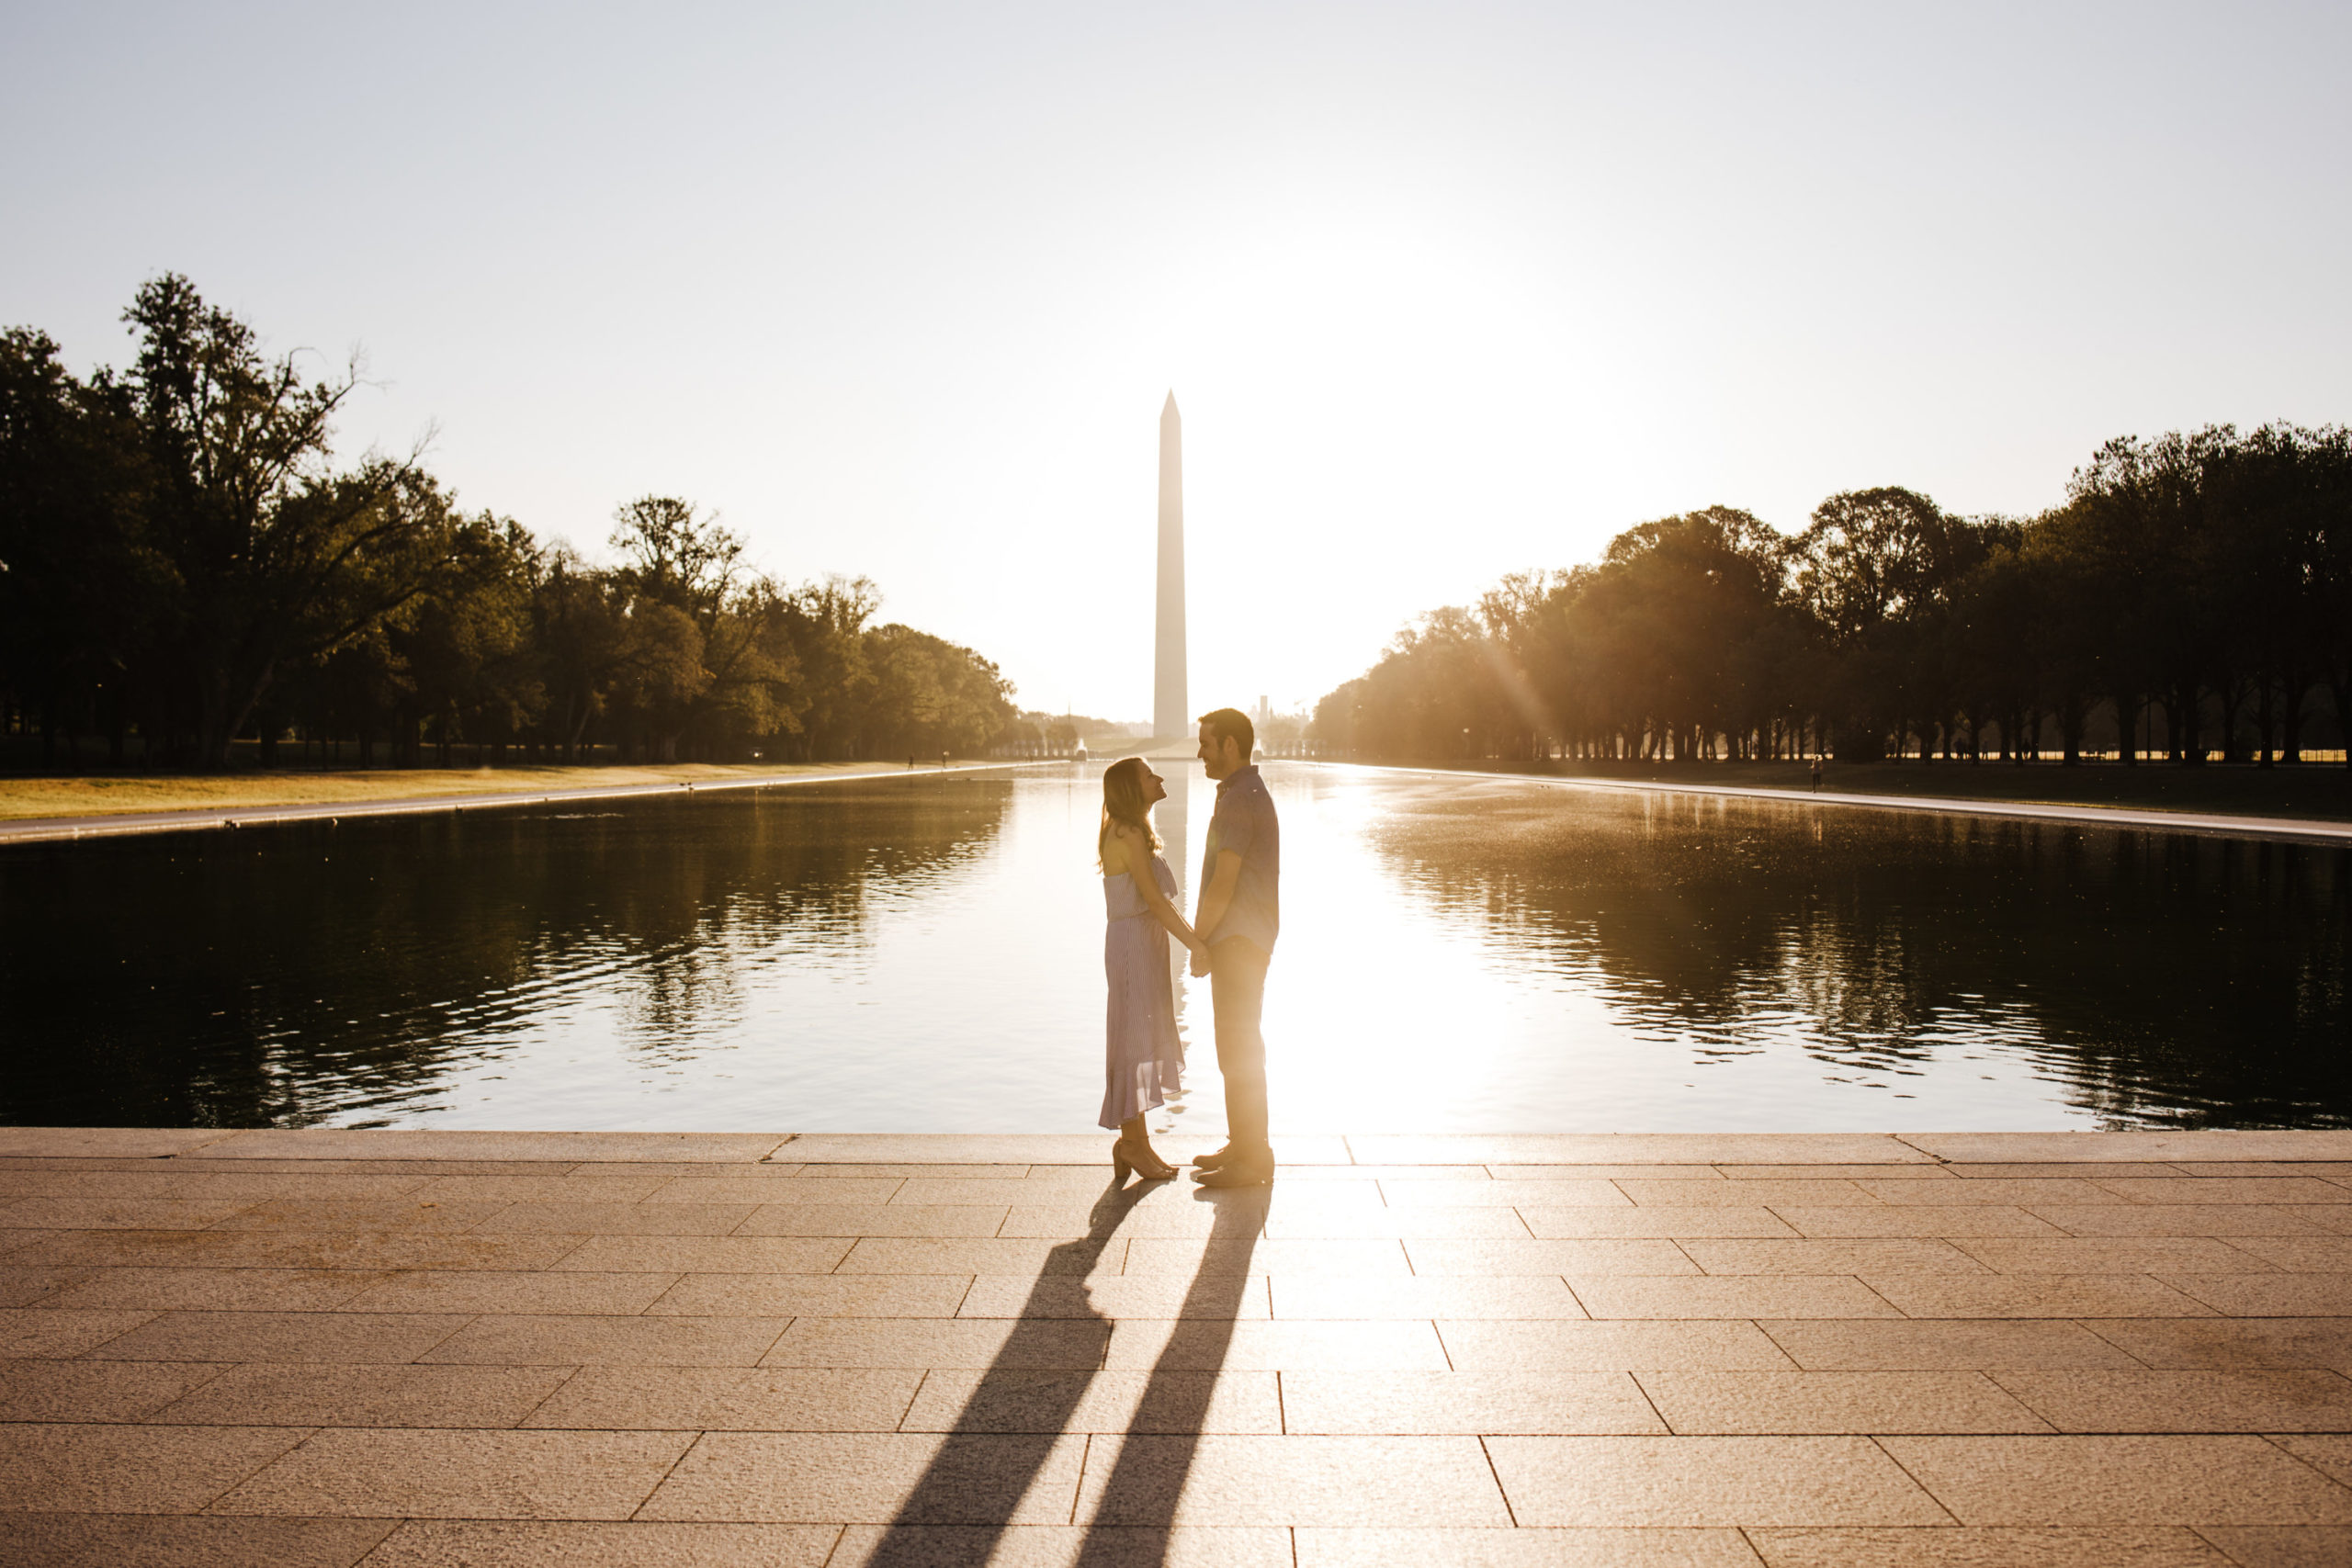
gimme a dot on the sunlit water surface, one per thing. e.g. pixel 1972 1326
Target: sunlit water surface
pixel 924 954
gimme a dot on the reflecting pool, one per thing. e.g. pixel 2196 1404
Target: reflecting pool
pixel 922 954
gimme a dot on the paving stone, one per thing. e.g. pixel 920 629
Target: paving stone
pixel 900 1255
pixel 1665 1221
pixel 1487 1259
pixel 271 1396
pixel 505 1290
pixel 224 1290
pixel 113 1214
pixel 1961 1547
pixel 1524 1549
pixel 1411 1223
pixel 581 1188
pixel 325 1144
pixel 283 1337
pixel 137 1142
pixel 1562 1193
pixel 2087 1255
pixel 2047 1170
pixel 2293 1255
pixel 1011 1400
pixel 133 1541
pixel 458 1475
pixel 1511 1296
pixel 1394 1404
pixel 1874 1254
pixel 22 1287
pixel 1349 1258
pixel 2225 1189
pixel 621 1219
pixel 185 1186
pixel 1114 1296
pixel 939 1220
pixel 2330 1454
pixel 2283 1546
pixel 480 1543
pixel 1649 1172
pixel 1642 1148
pixel 1802 1404
pixel 1740 1191
pixel 94 1390
pixel 1060 1546
pixel 874 1478
pixel 1884 1347
pixel 1424 1481
pixel 542 1340
pixel 40 1332
pixel 2222 1344
pixel 2135 1147
pixel 815 1295
pixel 715 1254
pixel 2180 1219
pixel 1748 1296
pixel 1918 1220
pixel 1072 1222
pixel 1209 1345
pixel 2017 1296
pixel 2271 1401
pixel 1845 1172
pixel 2015 1191
pixel 779 1191
pixel 414 1213
pixel 770 1399
pixel 2134 1480
pixel 298 1249
pixel 1707 1481
pixel 2269 1295
pixel 917 1343
pixel 129 1470
pixel 1609 1347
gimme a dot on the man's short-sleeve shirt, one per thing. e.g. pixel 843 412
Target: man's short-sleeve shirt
pixel 1245 823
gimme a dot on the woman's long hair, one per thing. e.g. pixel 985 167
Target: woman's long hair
pixel 1122 801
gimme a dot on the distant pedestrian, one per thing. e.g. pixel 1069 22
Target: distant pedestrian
pixel 1816 775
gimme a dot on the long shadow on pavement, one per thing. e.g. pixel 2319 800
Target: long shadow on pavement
pixel 1016 1421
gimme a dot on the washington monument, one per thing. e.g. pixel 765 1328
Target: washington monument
pixel 1170 712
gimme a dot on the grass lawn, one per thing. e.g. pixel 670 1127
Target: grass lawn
pixel 106 795
pixel 2319 791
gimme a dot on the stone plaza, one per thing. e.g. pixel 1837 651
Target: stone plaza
pixel 318 1348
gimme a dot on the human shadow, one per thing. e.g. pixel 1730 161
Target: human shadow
pixel 1025 1406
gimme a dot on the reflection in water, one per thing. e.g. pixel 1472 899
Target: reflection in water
pixel 925 955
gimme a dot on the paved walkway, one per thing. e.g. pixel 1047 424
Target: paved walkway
pixel 2298 829
pixel 38 829
pixel 316 1348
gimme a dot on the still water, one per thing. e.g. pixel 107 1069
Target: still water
pixel 924 954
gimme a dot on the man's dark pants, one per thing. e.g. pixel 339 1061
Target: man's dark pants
pixel 1238 992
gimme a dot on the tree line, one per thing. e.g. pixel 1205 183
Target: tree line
pixel 184 563
pixel 2191 597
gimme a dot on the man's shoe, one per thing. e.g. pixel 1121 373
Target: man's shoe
pixel 1210 1162
pixel 1235 1172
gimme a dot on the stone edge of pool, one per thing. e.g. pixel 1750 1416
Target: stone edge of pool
pixel 44 829
pixel 2290 1147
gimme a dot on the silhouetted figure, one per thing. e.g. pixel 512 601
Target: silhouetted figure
pixel 1239 916
pixel 1816 775
pixel 1143 1057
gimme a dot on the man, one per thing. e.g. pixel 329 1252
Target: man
pixel 1240 910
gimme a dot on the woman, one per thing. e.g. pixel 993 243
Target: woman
pixel 1142 1054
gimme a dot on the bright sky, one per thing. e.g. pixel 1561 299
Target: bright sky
pixel 1443 291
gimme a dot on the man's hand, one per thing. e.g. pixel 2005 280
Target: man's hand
pixel 1200 962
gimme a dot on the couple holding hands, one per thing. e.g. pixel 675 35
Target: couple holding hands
pixel 1231 938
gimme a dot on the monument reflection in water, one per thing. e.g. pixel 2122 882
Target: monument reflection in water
pixel 923 954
